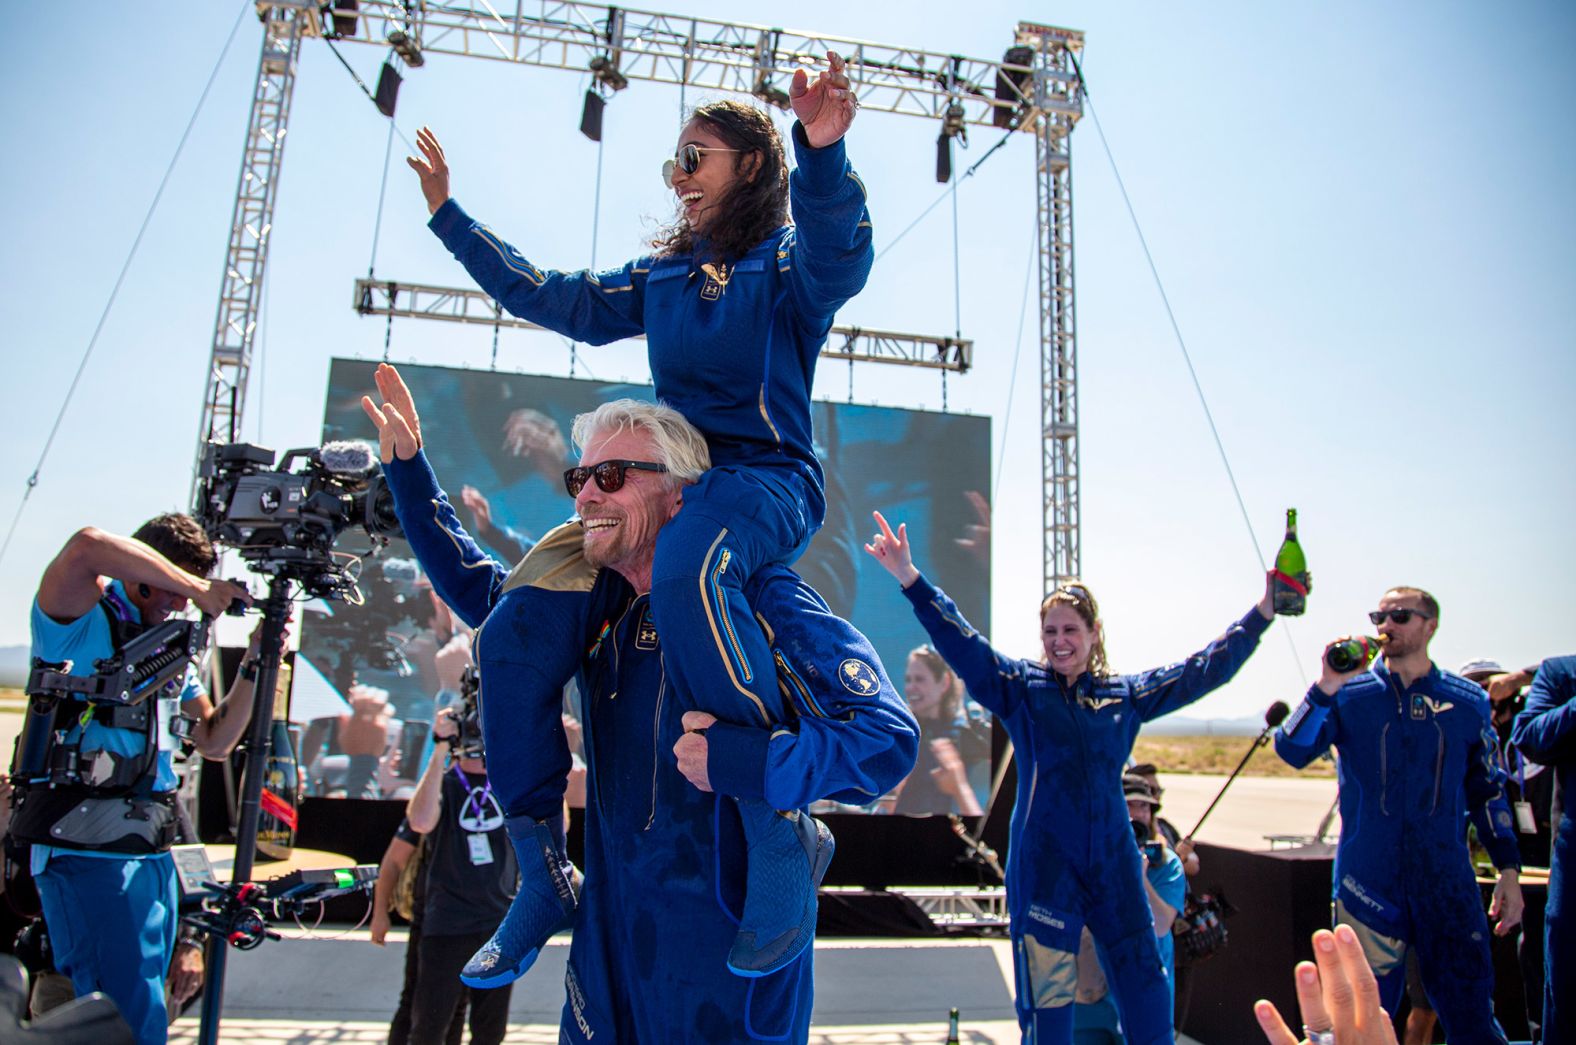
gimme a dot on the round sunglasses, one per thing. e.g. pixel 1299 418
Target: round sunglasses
pixel 609 475
pixel 688 161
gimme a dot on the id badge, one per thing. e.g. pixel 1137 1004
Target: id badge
pixel 481 850
pixel 1524 820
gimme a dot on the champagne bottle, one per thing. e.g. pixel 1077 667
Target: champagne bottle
pixel 1352 653
pixel 1292 582
pixel 952 1028
pixel 278 817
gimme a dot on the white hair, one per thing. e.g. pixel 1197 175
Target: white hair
pixel 679 444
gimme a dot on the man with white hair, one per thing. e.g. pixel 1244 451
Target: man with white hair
pixel 665 859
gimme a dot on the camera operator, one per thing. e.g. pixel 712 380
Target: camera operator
pixel 470 877
pixel 1165 884
pixel 100 848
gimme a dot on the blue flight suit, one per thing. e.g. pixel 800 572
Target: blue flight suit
pixel 665 862
pixel 1071 858
pixel 112 917
pixel 1414 762
pixel 736 356
pixel 1545 732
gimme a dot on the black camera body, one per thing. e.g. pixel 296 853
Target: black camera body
pixel 1153 851
pixel 284 521
pixel 468 715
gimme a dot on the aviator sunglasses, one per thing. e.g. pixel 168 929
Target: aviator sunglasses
pixel 609 475
pixel 1396 616
pixel 688 161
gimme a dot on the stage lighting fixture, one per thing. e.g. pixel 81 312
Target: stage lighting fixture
pixel 607 74
pixel 344 17
pixel 388 90
pixel 770 93
pixel 952 126
pixel 406 47
pixel 1011 86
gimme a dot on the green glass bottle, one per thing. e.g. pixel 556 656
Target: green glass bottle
pixel 952 1028
pixel 1292 582
pixel 1352 653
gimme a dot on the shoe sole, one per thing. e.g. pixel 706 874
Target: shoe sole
pixel 502 979
pixel 823 860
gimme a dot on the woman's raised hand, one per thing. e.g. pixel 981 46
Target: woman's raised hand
pixel 827 106
pixel 431 168
pixel 892 551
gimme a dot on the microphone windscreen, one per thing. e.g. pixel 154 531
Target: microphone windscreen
pixel 1276 714
pixel 349 457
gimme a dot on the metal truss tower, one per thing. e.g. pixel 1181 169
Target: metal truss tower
pixel 246 260
pixel 1034 90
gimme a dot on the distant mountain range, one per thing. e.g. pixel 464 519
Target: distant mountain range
pixel 1182 726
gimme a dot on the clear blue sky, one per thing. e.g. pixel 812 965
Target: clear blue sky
pixel 1362 214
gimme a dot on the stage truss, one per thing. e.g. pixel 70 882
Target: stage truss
pixel 1037 94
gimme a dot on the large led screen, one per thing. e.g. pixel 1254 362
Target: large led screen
pixel 374 674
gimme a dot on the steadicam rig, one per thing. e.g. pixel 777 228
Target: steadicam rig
pixel 145 666
pixel 285 522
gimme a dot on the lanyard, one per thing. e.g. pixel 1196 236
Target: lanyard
pixel 475 800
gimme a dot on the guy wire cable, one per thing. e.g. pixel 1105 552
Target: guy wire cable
pixel 32 480
pixel 949 191
pixel 1176 330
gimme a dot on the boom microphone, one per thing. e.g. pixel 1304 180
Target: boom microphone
pixel 1273 717
pixel 349 457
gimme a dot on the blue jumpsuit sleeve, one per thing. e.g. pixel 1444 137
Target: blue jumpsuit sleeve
pixel 854 737
pixel 1164 690
pixel 830 250
pixel 592 307
pixel 1487 806
pixel 994 680
pixel 463 575
pixel 1545 730
pixel 1310 730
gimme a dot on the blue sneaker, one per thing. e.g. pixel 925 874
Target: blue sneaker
pixel 788 856
pixel 549 892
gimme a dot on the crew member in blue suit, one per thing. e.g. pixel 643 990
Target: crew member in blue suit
pixel 100 846
pixel 735 304
pixel 1417 758
pixel 665 860
pixel 1545 732
pixel 1070 861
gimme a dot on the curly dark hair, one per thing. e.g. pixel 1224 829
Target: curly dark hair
pixel 181 540
pixel 754 207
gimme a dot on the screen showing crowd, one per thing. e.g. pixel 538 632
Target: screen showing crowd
pixel 370 676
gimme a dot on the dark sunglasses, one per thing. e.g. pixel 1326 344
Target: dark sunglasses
pixel 609 475
pixel 1396 616
pixel 688 161
pixel 1077 591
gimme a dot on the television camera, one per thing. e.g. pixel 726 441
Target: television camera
pixel 284 522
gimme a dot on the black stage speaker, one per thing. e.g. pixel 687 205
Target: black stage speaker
pixel 1281 897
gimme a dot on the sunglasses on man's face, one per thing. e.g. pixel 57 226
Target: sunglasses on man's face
pixel 609 475
pixel 688 161
pixel 1396 616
